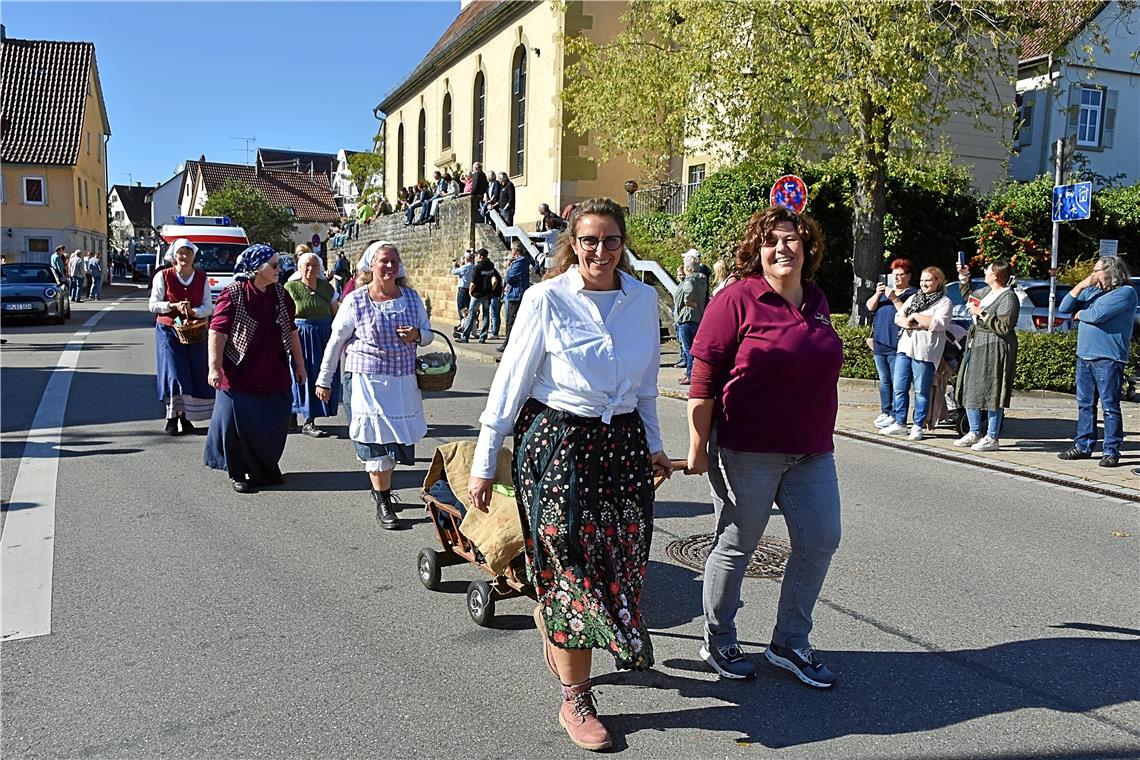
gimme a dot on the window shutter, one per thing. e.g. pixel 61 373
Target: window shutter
pixel 1074 109
pixel 1109 118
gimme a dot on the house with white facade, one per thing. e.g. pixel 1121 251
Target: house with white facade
pixel 1095 97
pixel 131 226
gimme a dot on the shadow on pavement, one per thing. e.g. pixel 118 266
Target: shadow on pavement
pixel 886 693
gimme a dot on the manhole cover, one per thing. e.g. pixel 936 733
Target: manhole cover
pixel 768 561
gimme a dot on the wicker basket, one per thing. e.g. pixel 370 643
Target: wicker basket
pixel 192 331
pixel 443 380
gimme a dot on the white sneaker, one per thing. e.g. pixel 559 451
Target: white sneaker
pixel 915 433
pixel 986 444
pixel 883 420
pixel 893 429
pixel 969 439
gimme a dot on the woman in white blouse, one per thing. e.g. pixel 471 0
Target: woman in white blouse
pixel 181 292
pixel 923 319
pixel 578 388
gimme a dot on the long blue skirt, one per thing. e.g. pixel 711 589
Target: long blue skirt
pixel 180 369
pixel 247 435
pixel 314 335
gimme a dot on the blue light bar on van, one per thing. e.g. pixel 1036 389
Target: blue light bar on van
pixel 220 221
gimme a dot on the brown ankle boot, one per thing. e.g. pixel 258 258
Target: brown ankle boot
pixel 579 716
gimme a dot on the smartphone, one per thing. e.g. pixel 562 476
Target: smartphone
pixel 961 258
pixel 882 279
pixel 891 280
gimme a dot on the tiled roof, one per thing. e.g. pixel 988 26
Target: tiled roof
pixel 45 91
pixel 1057 22
pixel 296 160
pixel 467 19
pixel 133 198
pixel 310 198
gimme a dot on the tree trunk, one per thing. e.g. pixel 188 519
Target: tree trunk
pixel 870 207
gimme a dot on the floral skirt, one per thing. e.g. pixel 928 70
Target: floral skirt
pixel 585 497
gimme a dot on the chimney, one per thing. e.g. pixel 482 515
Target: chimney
pixel 138 184
pixel 202 158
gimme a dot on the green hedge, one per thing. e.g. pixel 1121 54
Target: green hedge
pixel 1044 362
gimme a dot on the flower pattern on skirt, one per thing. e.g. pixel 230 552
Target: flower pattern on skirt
pixel 585 496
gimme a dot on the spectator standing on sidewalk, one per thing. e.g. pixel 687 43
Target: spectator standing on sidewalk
pixel 1104 306
pixel 506 199
pixel 762 409
pixel 484 280
pixel 496 306
pixel 463 271
pixel 985 378
pixel 95 272
pixel 583 410
pixel 517 281
pixel 59 264
pixel 923 318
pixel 688 308
pixel 78 269
pixel 884 338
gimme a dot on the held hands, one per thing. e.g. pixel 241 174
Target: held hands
pixel 479 493
pixel 408 334
pixel 662 465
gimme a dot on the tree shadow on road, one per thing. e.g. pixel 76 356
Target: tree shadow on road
pixel 889 693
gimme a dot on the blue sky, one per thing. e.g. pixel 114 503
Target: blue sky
pixel 182 78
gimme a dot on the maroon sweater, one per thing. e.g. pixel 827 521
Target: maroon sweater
pixel 773 369
pixel 265 368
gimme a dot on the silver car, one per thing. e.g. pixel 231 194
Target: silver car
pixel 33 291
pixel 1033 297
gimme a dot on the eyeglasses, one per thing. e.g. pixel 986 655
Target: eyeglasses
pixel 611 242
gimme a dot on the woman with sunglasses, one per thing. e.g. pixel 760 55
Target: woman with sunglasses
pixel 252 340
pixel 578 388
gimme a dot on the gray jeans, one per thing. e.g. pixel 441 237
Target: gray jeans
pixel 744 485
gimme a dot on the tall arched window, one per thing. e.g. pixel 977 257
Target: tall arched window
pixel 518 111
pixel 478 117
pixel 421 156
pixel 400 158
pixel 445 143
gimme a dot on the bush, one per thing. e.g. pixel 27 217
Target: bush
pixel 1046 362
pixel 654 237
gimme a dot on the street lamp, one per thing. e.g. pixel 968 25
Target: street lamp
pixel 630 189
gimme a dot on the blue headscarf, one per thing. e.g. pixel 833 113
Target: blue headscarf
pixel 252 259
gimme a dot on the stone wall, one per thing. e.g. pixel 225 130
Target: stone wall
pixel 429 251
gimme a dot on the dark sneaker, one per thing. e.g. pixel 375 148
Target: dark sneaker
pixel 1074 453
pixel 728 661
pixel 1108 460
pixel 803 662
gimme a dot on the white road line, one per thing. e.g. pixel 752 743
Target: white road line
pixel 27 548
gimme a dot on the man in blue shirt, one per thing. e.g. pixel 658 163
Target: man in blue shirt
pixel 518 280
pixel 463 270
pixel 1104 305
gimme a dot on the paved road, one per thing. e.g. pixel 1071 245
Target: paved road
pixel 969 615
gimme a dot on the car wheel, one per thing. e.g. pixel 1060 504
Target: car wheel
pixel 67 311
pixel 59 320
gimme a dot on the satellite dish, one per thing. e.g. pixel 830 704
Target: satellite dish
pixel 180 168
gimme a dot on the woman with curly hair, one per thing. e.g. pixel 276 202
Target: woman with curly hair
pixel 578 388
pixel 762 408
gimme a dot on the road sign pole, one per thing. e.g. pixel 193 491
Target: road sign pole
pixel 1058 178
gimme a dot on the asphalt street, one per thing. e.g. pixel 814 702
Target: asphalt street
pixel 968 614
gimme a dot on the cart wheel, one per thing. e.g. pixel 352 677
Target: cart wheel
pixel 963 424
pixel 480 603
pixel 428 566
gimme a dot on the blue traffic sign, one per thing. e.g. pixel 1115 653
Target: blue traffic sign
pixel 1072 202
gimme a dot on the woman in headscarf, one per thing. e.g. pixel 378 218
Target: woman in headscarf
pixel 316 303
pixel 181 292
pixel 252 339
pixel 379 327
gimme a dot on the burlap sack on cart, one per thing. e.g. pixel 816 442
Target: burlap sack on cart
pixel 498 532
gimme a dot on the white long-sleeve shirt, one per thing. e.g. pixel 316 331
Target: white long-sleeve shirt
pixel 563 353
pixel 925 345
pixel 159 305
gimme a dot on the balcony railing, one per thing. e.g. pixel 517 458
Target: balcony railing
pixel 671 198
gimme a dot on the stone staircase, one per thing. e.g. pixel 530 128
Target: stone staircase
pixel 430 251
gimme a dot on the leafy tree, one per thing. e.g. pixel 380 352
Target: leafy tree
pixel 248 208
pixel 865 80
pixel 367 169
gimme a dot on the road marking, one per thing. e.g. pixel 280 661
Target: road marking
pixel 27 548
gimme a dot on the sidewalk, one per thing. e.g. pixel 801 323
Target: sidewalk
pixel 1037 426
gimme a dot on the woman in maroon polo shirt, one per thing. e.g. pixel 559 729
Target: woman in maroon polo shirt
pixel 762 407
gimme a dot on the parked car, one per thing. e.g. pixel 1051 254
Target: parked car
pixel 33 291
pixel 143 267
pixel 1032 295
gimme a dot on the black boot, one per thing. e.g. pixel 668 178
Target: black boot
pixel 385 515
pixel 184 425
pixel 172 426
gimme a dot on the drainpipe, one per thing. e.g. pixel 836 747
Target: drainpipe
pixel 106 195
pixel 383 119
